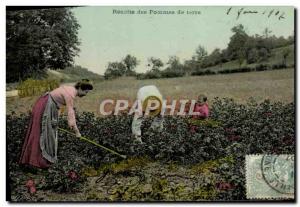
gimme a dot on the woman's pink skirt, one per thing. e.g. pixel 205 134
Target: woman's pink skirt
pixel 31 151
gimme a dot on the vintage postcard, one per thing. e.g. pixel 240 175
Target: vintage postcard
pixel 150 103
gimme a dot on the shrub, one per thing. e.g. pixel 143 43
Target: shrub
pixel 237 70
pixel 172 73
pixel 32 87
pixel 278 66
pixel 206 72
pixel 262 67
pixel 149 75
pixel 252 56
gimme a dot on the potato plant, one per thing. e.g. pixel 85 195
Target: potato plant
pixel 233 130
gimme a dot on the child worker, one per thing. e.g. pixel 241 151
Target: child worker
pixel 40 144
pixel 201 107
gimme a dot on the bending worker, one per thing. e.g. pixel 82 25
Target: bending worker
pixel 40 144
pixel 147 95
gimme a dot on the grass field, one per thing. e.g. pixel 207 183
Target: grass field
pixel 276 85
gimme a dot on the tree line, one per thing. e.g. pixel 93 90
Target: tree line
pixel 37 39
pixel 242 48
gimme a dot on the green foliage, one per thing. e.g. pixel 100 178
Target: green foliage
pixel 263 54
pixel 236 46
pixel 124 165
pixel 37 39
pixel 172 73
pixel 285 54
pixel 252 56
pixel 161 74
pixel 156 64
pixel 259 52
pixel 262 67
pixel 237 70
pixel 257 67
pixel 212 165
pixel 130 63
pixel 32 87
pixel 124 68
pixel 241 47
pixel 213 59
pixel 201 53
pixel 205 122
pixel 149 75
pixel 114 69
pixel 64 177
pixel 174 69
pixel 206 72
pixel 214 154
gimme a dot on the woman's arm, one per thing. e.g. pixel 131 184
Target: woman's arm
pixel 71 115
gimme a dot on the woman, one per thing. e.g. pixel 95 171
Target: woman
pixel 144 95
pixel 40 145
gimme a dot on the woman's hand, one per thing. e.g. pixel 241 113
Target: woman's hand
pixel 78 135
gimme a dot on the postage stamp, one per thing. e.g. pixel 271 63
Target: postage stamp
pixel 270 176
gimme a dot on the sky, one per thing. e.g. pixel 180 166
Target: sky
pixel 109 33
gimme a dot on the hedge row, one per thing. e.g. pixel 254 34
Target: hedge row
pixel 260 67
pixel 160 74
pixel 173 74
pixel 32 87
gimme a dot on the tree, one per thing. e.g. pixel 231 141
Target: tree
pixel 215 57
pixel 189 66
pixel 237 42
pixel 291 39
pixel 224 57
pixel 267 32
pixel 285 54
pixel 123 68
pixel 263 54
pixel 252 56
pixel 241 56
pixel 174 63
pixel 130 63
pixel 201 53
pixel 39 39
pixel 114 70
pixel 156 64
pixel 174 69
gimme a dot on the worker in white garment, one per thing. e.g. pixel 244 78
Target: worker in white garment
pixel 147 95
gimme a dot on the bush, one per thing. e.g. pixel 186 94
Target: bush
pixel 206 72
pixel 237 70
pixel 262 67
pixel 32 87
pixel 278 66
pixel 149 75
pixel 161 74
pixel 172 73
pixel 252 56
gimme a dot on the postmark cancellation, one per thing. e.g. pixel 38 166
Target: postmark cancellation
pixel 270 177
